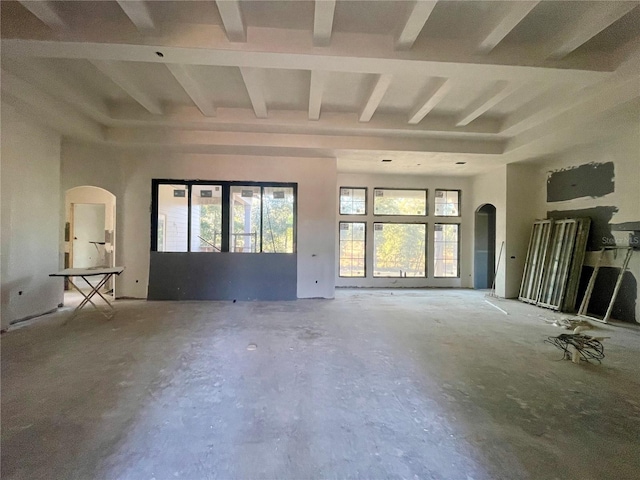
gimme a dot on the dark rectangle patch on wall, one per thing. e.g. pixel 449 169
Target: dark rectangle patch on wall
pixel 600 234
pixel 222 276
pixel 624 308
pixel 590 180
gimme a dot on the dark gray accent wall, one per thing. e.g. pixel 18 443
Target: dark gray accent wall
pixel 600 234
pixel 624 308
pixel 222 276
pixel 589 180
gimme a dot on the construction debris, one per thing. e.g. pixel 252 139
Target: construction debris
pixel 578 347
pixel 575 324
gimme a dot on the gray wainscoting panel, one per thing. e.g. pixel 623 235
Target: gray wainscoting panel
pixel 222 276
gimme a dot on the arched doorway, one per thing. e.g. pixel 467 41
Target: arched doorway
pixel 484 255
pixel 90 226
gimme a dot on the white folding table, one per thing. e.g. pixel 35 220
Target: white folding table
pixel 105 272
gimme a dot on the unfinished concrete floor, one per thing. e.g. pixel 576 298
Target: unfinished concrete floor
pixel 415 384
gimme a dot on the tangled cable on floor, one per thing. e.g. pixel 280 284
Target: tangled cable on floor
pixel 588 348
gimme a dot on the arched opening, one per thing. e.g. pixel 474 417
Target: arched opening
pixel 89 233
pixel 484 255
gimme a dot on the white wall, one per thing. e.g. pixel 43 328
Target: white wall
pixel 524 197
pixel 128 174
pixel 491 188
pixel 398 181
pixel 31 218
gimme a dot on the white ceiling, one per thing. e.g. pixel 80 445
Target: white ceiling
pixel 426 84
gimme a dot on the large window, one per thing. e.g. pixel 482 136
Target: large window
pixel 206 218
pixel 387 201
pixel 399 249
pixel 446 249
pixel 352 249
pixel 353 201
pixel 246 219
pixel 172 217
pixel 447 203
pixel 277 219
pixel 198 216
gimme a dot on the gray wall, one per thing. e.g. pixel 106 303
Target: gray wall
pixel 222 276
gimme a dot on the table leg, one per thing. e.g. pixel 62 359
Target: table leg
pixel 93 291
pixel 96 289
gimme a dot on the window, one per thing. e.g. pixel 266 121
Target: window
pixel 446 247
pixel 448 203
pixel 353 201
pixel 247 217
pixel 173 209
pixel 399 249
pixel 246 209
pixel 162 222
pixel 352 249
pixel 277 219
pixel 387 201
pixel 206 218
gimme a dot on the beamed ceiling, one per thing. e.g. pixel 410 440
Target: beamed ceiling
pixel 424 83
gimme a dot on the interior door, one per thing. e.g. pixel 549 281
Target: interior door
pixel 88 235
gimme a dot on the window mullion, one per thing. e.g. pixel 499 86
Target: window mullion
pixel 262 215
pixel 189 217
pixel 226 216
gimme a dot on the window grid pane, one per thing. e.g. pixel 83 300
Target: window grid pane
pixel 399 249
pixel 353 201
pixel 352 249
pixel 173 212
pixel 447 203
pixel 245 219
pixel 206 218
pixel 277 221
pixel 387 201
pixel 445 245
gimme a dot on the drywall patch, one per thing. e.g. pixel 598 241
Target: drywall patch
pixel 624 308
pixel 590 180
pixel 600 234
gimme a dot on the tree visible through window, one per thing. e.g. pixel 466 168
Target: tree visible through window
pixel 245 219
pixel 445 237
pixel 387 201
pixel 352 249
pixel 399 249
pixel 206 218
pixel 277 220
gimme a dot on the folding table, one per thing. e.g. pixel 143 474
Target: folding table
pixel 105 272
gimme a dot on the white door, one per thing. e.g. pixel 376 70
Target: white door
pixel 88 235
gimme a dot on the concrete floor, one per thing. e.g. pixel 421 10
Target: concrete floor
pixel 414 384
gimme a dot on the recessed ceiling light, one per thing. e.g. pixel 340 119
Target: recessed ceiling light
pixel 386 160
pixel 460 163
pixel 160 54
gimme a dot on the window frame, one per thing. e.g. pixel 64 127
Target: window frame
pixel 426 203
pixel 426 248
pixel 459 203
pixel 226 211
pixel 365 248
pixel 366 201
pixel 457 253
